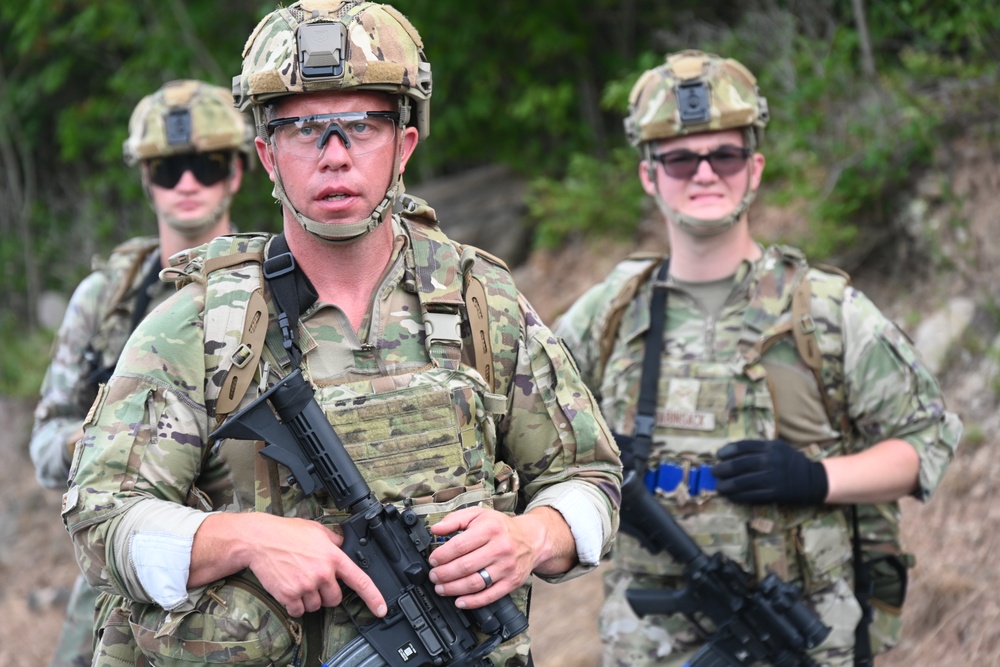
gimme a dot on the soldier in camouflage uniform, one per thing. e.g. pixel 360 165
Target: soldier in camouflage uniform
pixel 191 147
pixel 445 387
pixel 786 402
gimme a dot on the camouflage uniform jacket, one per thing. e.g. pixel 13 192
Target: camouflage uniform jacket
pixel 723 379
pixel 98 317
pixel 146 470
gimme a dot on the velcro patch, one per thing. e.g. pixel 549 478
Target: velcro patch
pixel 689 420
pixel 70 499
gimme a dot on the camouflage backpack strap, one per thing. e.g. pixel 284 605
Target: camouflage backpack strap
pixel 235 316
pixel 623 282
pixel 779 275
pixel 790 297
pixel 124 264
pixel 456 283
pixel 434 263
pixel 124 304
pixel 818 331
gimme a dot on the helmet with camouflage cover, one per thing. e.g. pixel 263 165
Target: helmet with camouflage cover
pixel 183 117
pixel 316 45
pixel 336 45
pixel 187 116
pixel 695 92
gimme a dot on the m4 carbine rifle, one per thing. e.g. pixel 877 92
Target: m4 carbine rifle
pixel 764 622
pixel 420 628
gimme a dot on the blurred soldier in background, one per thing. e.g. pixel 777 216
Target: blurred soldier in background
pixel 191 147
pixel 787 413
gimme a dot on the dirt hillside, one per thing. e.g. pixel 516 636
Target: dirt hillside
pixel 952 613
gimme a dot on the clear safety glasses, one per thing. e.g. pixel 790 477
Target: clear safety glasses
pixel 683 164
pixel 208 168
pixel 361 132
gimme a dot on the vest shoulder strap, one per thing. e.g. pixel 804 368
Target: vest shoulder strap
pixel 124 264
pixel 817 313
pixel 235 315
pixel 792 297
pixel 779 277
pixel 623 283
pixel 457 283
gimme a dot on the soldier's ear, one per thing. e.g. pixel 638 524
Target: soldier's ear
pixel 407 146
pixel 264 153
pixel 644 177
pixel 757 162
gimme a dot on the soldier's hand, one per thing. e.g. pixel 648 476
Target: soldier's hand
pixel 481 539
pixel 769 471
pixel 299 562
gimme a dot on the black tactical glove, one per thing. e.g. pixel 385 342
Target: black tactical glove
pixel 769 471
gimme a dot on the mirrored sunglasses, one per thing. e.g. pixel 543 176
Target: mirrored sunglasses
pixel 684 164
pixel 208 168
pixel 360 131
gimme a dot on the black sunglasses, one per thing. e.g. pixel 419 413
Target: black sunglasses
pixel 683 164
pixel 208 168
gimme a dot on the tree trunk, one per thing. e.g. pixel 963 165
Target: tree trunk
pixel 867 58
pixel 17 195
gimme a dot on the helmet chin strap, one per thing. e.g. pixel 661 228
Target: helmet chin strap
pixel 705 227
pixel 342 233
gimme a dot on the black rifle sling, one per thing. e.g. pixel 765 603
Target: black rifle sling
pixel 645 416
pixel 292 293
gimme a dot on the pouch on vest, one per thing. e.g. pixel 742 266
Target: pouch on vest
pixel 888 574
pixel 235 622
pixel 116 646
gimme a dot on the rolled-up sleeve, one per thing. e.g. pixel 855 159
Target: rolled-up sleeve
pixel 560 444
pixel 891 392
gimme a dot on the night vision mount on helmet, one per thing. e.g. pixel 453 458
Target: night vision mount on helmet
pixel 186 116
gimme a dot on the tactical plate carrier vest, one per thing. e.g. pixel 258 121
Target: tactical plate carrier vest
pixel 706 403
pixel 426 436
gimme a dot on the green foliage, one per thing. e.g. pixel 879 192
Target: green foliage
pixel 868 183
pixel 74 71
pixel 25 358
pixel 540 87
pixel 520 82
pixel 598 197
pixel 616 91
pixel 964 29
